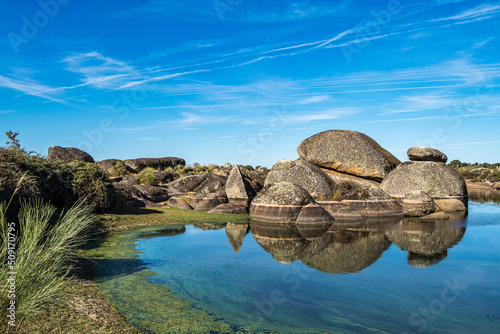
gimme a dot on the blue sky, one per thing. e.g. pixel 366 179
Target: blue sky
pixel 246 81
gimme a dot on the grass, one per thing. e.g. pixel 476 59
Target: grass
pixel 49 301
pixel 79 308
pixel 45 248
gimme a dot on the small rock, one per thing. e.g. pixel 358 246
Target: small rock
pixel 450 204
pixel 422 153
pixel 178 202
pixel 229 208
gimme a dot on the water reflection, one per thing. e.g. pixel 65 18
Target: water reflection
pixel 427 243
pixel 485 196
pixel 333 250
pixel 236 234
pixel 349 248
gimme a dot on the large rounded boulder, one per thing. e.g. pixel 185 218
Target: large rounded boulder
pixel 348 152
pixel 283 202
pixel 303 173
pixel 436 179
pixel 58 153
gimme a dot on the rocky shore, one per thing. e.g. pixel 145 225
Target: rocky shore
pixel 340 175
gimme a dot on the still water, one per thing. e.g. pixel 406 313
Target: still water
pixel 377 277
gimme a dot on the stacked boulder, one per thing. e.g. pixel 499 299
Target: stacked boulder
pixel 341 170
pixel 425 184
pixel 352 177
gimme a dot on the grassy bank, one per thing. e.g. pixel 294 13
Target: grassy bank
pixel 79 307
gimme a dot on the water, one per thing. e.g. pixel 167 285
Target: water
pixel 378 277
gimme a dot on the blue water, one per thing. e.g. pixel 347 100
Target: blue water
pixel 382 277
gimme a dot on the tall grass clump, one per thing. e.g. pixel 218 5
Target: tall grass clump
pixel 147 177
pixel 45 251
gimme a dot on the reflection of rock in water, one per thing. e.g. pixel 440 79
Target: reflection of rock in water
pixel 210 226
pixel 236 234
pixel 485 196
pixel 345 251
pixel 167 231
pixel 422 261
pixel 427 242
pixel 336 251
pixel 282 241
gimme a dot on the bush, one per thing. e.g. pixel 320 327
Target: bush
pixel 119 169
pixel 147 177
pixel 45 251
pixel 60 183
pixel 249 168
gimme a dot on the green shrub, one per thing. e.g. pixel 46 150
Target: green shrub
pixel 61 183
pixel 249 168
pixel 146 177
pixel 44 253
pixel 119 169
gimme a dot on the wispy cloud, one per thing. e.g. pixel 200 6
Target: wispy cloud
pixel 28 86
pixel 6 112
pixel 480 12
pixel 479 45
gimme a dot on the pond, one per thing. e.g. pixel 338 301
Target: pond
pixel 376 277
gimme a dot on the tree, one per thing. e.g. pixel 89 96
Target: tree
pixel 455 163
pixel 13 143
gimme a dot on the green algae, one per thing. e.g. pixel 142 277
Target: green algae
pixel 151 308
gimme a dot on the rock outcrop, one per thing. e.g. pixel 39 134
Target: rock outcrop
pixel 207 199
pixel 107 165
pixel 436 179
pixel 348 152
pixel 230 208
pixel 238 188
pixel 157 163
pixel 179 203
pixel 422 153
pixel 58 153
pixel 305 174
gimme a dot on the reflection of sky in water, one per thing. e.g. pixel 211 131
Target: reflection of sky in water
pixel 448 287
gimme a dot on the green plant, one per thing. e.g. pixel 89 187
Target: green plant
pixel 119 169
pixel 147 177
pixel 45 250
pixel 249 168
pixel 58 182
pixel 13 142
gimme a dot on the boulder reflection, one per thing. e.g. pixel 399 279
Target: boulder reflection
pixel 427 242
pixel 328 248
pixel 351 247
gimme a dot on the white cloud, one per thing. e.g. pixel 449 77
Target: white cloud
pixel 482 43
